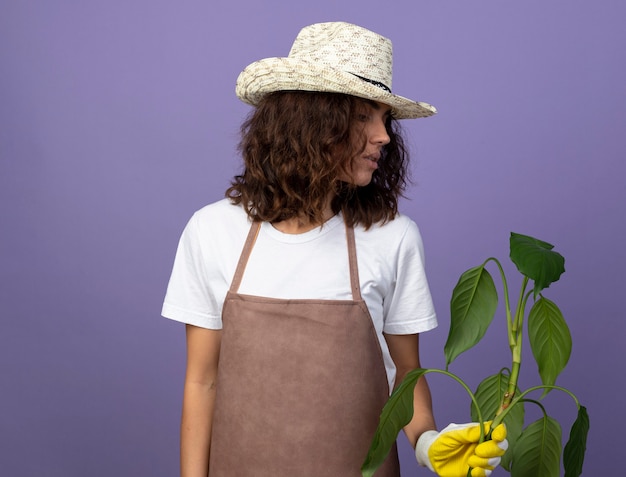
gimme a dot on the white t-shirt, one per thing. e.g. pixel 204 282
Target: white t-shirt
pixel 312 265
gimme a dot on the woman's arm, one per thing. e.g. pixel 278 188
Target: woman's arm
pixel 404 351
pixel 203 348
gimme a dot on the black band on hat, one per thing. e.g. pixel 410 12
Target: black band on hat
pixel 375 83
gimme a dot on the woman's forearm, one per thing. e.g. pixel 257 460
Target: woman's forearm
pixel 404 351
pixel 423 419
pixel 195 429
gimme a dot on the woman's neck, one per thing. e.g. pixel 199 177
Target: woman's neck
pixel 302 223
pixel 295 225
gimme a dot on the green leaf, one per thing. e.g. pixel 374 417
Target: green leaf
pixel 472 308
pixel 536 260
pixel 489 395
pixel 396 414
pixel 574 452
pixel 537 453
pixel 550 340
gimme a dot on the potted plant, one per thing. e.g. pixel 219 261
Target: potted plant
pixel 535 449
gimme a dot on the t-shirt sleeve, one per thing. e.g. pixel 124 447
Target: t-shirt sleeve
pixel 190 298
pixel 409 307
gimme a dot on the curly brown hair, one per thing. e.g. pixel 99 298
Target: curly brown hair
pixel 295 145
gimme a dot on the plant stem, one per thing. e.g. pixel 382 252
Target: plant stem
pixel 498 419
pixel 541 406
pixel 512 387
pixel 505 292
pixel 519 312
pixel 469 392
pixel 515 343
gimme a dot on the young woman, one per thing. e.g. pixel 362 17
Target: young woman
pixel 304 291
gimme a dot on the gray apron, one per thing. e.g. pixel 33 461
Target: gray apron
pixel 300 385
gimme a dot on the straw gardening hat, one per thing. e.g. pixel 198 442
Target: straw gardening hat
pixel 333 57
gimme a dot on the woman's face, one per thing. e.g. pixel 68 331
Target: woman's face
pixel 370 127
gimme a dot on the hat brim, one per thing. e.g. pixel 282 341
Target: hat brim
pixel 295 74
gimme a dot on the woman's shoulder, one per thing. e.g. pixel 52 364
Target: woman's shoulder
pixel 396 238
pixel 222 212
pixel 221 219
pixel 394 230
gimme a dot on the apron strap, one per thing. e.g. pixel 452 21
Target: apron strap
pixel 245 254
pixel 254 232
pixel 354 267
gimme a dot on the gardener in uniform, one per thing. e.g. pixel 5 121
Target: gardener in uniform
pixel 304 291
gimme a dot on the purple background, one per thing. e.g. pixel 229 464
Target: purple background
pixel 118 119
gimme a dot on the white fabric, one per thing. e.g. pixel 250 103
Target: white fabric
pixel 423 445
pixel 312 265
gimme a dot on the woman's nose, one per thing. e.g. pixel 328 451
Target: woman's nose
pixel 378 133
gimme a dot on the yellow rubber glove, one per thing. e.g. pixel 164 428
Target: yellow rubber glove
pixel 451 452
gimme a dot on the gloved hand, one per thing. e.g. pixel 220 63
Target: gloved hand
pixel 451 452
